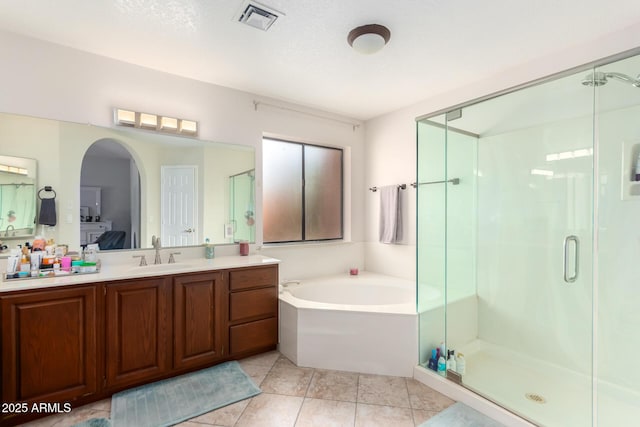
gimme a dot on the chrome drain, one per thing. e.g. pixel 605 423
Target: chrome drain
pixel 535 398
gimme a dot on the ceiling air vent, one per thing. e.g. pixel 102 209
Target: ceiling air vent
pixel 258 16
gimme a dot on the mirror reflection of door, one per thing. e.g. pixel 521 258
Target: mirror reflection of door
pixel 108 166
pixel 178 201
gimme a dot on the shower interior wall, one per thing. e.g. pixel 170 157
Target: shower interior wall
pixel 523 302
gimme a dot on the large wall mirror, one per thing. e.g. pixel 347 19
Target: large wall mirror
pixel 18 180
pixel 136 184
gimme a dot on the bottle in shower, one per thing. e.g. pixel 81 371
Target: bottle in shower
pixel 433 362
pixel 461 367
pixel 451 362
pixel 442 366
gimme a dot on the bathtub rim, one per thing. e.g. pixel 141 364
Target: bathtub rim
pixel 302 304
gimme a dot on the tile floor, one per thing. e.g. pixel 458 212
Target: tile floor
pixel 302 397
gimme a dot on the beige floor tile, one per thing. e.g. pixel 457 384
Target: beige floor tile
pixel 420 416
pixel 326 413
pixel 256 372
pixel 426 398
pixel 264 359
pixel 100 405
pixel 334 385
pixel 271 410
pixel 383 390
pixel 226 416
pixel 286 378
pixel 383 416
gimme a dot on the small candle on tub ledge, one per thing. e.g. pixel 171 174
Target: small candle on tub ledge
pixel 353 271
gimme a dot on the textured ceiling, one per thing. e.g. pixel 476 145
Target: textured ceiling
pixel 435 46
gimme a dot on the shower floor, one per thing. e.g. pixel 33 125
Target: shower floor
pixel 558 396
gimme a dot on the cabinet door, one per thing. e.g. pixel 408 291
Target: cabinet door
pixel 49 345
pixel 138 330
pixel 199 312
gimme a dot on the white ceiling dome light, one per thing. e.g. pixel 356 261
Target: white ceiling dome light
pixel 369 39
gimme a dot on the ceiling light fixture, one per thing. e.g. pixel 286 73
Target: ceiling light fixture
pixel 369 39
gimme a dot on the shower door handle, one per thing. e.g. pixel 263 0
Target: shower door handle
pixel 565 260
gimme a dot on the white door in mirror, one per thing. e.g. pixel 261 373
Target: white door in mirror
pixel 179 205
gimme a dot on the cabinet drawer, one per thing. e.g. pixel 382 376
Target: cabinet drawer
pixel 255 303
pixel 253 335
pixel 253 278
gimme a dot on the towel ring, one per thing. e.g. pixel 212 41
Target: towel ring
pixel 47 188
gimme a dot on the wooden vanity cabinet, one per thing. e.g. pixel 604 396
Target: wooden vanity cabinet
pixel 81 343
pixel 253 310
pixel 49 345
pixel 138 330
pixel 198 319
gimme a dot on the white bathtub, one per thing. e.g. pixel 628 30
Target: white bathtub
pixel 365 323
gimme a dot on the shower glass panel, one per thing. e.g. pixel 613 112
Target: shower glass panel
pixel 618 293
pixel 242 205
pixel 517 255
pixel 431 227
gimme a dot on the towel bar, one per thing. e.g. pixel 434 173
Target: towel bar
pixel 400 186
pixel 454 181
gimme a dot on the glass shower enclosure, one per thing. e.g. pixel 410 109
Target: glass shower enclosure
pixel 528 245
pixel 242 207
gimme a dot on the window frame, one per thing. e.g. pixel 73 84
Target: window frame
pixel 303 239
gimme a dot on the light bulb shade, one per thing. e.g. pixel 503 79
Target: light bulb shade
pixel 369 39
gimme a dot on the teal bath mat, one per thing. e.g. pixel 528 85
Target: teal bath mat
pixel 460 415
pixel 170 401
pixel 94 422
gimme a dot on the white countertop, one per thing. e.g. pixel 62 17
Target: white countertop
pixel 132 271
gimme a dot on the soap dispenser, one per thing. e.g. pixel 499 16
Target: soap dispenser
pixel 209 249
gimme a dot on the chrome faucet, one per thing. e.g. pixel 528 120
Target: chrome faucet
pixel 6 232
pixel 155 241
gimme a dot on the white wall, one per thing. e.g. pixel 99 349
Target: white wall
pixel 50 81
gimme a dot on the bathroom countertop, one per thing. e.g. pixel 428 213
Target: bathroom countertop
pixel 129 271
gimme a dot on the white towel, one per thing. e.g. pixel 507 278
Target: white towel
pixel 390 214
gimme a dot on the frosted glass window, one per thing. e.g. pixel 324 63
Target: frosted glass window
pixel 282 191
pixel 322 193
pixel 302 192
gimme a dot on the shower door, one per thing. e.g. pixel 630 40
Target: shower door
pixel 533 213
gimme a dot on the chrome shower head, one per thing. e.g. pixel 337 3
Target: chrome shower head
pixel 597 78
pixel 600 78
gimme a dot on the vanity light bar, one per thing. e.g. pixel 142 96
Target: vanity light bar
pixel 155 122
pixel 13 169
